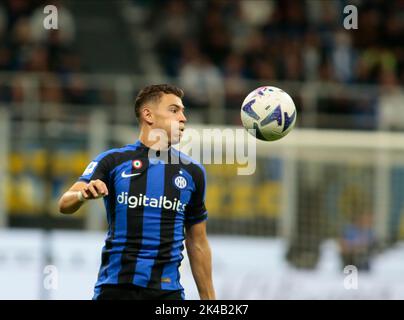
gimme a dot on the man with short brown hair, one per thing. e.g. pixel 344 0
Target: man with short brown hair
pixel 154 196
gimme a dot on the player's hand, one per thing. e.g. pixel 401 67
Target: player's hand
pixel 95 189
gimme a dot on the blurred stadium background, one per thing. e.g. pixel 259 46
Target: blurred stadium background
pixel 330 194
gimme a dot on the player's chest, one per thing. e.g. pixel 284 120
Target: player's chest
pixel 141 176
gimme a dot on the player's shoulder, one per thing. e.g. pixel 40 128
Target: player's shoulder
pixel 115 152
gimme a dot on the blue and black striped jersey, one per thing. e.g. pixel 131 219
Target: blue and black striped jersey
pixel 150 201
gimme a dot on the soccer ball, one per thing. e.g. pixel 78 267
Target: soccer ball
pixel 270 111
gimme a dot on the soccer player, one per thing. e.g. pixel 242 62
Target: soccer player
pixel 154 196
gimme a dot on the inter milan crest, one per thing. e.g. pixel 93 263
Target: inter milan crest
pixel 180 182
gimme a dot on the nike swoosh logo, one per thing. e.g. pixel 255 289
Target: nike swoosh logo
pixel 125 175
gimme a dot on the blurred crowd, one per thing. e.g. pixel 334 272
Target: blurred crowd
pixel 204 42
pixel 26 46
pixel 220 45
pixel 282 40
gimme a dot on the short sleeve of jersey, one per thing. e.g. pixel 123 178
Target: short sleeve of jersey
pixel 99 168
pixel 195 211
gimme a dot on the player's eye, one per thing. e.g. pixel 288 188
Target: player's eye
pixel 174 110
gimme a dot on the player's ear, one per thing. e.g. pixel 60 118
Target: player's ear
pixel 147 115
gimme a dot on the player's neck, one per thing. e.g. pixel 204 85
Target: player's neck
pixel 156 144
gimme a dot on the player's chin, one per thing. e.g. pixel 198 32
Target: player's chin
pixel 175 138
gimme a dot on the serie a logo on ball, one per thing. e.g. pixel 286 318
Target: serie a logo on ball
pixel 269 112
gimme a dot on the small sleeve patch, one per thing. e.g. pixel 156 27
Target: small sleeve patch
pixel 90 168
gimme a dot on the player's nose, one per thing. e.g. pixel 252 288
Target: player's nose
pixel 183 118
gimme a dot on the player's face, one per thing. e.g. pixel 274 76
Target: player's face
pixel 169 116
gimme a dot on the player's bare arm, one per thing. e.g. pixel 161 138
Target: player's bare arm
pixel 73 199
pixel 200 259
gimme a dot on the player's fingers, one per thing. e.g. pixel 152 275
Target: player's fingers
pixel 93 191
pixel 101 187
pixel 85 193
pixel 104 190
pixel 96 187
